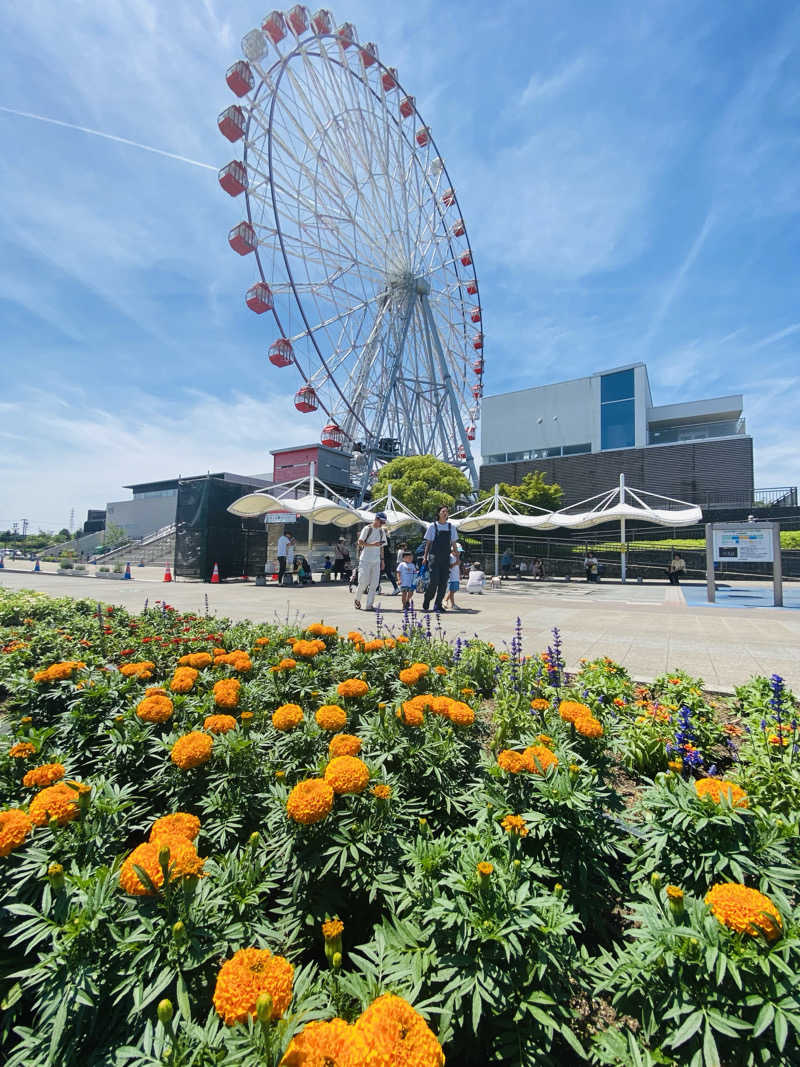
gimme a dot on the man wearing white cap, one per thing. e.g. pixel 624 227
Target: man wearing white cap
pixel 372 543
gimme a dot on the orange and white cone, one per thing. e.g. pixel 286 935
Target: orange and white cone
pixel 215 575
pixel 167 574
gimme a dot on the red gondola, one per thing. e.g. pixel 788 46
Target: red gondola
pixel 259 298
pixel 472 286
pixel 233 177
pixel 475 314
pixel 332 436
pixel 466 258
pixel 477 342
pixel 306 399
pixel 240 78
pixel 423 136
pixel 274 25
pixel 369 54
pixel 298 20
pixel 471 432
pixel 242 239
pixel 477 391
pixel 477 366
pixel 232 122
pixel 407 106
pixel 281 353
pixel 346 34
pixel 449 197
pixel 389 79
pixel 322 22
pixel 459 228
pixel 462 452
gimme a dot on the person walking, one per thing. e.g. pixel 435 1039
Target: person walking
pixel 372 543
pixel 340 557
pixel 506 560
pixel 407 576
pixel 441 539
pixel 283 545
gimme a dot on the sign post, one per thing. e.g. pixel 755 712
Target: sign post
pixel 749 542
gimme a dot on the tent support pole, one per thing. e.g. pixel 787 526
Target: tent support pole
pixel 310 517
pixel 496 533
pixel 623 555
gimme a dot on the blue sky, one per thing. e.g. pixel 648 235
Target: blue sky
pixel 630 176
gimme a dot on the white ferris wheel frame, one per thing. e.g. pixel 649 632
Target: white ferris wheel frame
pixel 366 275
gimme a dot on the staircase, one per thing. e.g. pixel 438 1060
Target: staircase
pixel 157 547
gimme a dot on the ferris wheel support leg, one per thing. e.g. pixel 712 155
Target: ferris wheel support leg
pixel 396 366
pixel 448 383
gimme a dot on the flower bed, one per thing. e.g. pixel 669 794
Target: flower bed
pixel 252 844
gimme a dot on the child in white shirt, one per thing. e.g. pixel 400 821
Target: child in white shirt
pixel 476 579
pixel 406 577
pixel 453 584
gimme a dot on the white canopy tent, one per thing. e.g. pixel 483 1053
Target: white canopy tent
pixel 619 504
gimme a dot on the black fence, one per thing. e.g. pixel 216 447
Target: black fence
pixel 207 533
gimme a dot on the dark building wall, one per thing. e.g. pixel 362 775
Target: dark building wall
pixel 701 472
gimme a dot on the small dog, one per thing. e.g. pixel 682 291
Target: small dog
pixel 496 582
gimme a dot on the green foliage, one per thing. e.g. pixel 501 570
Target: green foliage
pixel 533 489
pixel 422 483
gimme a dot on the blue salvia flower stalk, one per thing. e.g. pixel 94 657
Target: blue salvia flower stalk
pixel 776 700
pixel 457 650
pixel 378 621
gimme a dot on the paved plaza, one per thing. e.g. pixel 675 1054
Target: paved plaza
pixel 649 628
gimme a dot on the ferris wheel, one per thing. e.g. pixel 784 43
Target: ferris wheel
pixel 361 252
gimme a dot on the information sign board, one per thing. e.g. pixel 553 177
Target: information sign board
pixel 748 544
pixel 280 516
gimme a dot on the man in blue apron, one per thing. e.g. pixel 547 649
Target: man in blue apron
pixel 441 539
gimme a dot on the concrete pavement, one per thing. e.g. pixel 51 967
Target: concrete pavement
pixel 648 628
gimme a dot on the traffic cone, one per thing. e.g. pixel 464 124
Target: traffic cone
pixel 215 575
pixel 128 571
pixel 36 566
pixel 2 565
pixel 167 574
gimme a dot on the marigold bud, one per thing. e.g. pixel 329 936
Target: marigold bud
pixel 165 1012
pixel 264 1008
pixel 55 875
pixel 558 890
pixel 655 880
pixel 336 962
pixel 53 823
pixel 179 933
pixel 163 856
pixel 254 838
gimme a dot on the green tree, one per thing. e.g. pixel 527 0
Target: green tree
pixel 532 490
pixel 64 535
pixel 114 535
pixel 422 483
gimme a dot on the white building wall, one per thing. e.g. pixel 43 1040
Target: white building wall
pixel 143 516
pixel 566 413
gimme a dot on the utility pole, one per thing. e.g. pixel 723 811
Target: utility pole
pixel 25 523
pixel 71 519
pixel 15 529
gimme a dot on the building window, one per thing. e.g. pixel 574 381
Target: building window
pixel 576 450
pixel 617 414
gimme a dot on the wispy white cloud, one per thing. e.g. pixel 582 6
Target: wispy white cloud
pixel 780 335
pixel 541 89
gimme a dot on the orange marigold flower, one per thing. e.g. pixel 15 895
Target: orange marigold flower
pixel 179 824
pixel 744 910
pixel 514 824
pixel 183 863
pixel 674 892
pixel 59 802
pixel 389 642
pixel 319 629
pixel 219 724
pixel 143 670
pixel 714 788
pixel 352 688
pixel 372 646
pixel 347 774
pixel 310 801
pixel 485 869
pixel 331 717
pixel 539 759
pixel 226 693
pixel 332 928
pixel 260 642
pixel 154 709
pixel 287 716
pixel 238 659
pixel 440 670
pixel 381 792
pixel 503 657
pixel 545 739
pixel 570 710
pixel 397 1036
pixel 308 649
pixel 191 750
pixel 460 714
pixel 401 639
pixel 21 750
pixel 356 637
pixel 344 745
pixel 410 714
pixel 46 774
pixel 183 679
pixel 197 660
pixel 328 1044
pixel 284 665
pixel 588 726
pixel 156 691
pixel 511 761
pixel 59 672
pixel 540 704
pixel 15 826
